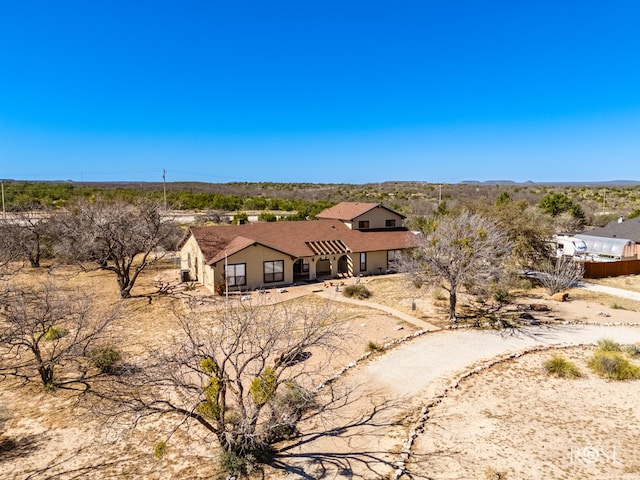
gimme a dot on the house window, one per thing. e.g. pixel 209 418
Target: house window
pixel 390 223
pixel 305 266
pixel 274 271
pixel 236 274
pixel 363 261
pixel 392 257
pixel 363 224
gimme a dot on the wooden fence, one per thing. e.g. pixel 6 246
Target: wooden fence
pixel 611 269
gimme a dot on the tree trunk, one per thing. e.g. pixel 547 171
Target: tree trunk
pixel 46 375
pixel 125 286
pixel 453 300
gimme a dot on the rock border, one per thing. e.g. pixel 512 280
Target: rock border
pixel 419 425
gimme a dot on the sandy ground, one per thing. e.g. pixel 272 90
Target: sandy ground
pixel 516 421
pixel 41 436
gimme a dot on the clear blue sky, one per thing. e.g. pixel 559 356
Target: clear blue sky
pixel 320 91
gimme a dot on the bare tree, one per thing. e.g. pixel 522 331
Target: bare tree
pixel 559 274
pixel 44 329
pixel 463 251
pixel 115 236
pixel 26 236
pixel 244 374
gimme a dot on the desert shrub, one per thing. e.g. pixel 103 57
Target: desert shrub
pixel 617 306
pixel 632 349
pixel 236 464
pixel 493 474
pixel 160 450
pixel 105 359
pixel 613 365
pixel 287 408
pixel 373 346
pixel 560 367
pixel 357 291
pixel 267 217
pixel 608 345
pixel 190 286
pixel 439 295
pixel 501 296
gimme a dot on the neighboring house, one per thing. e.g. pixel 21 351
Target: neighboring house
pixel 619 239
pixel 348 239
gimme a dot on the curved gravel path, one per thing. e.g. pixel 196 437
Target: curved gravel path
pixel 358 440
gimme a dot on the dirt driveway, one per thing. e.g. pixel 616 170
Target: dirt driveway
pixel 385 394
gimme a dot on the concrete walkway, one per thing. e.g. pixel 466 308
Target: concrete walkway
pixel 616 292
pixel 334 296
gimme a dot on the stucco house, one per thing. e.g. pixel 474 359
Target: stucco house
pixel 348 239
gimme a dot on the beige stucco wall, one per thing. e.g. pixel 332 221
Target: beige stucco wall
pixel 253 257
pixel 376 263
pixel 377 218
pixel 191 259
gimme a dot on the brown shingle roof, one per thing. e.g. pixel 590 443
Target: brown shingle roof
pixel 294 238
pixel 347 211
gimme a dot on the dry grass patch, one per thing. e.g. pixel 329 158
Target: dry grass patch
pixel 560 367
pixel 397 292
pixel 605 300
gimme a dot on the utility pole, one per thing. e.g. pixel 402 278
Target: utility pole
pixel 164 187
pixel 439 194
pixel 4 212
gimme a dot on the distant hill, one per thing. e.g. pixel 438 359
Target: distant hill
pixel 612 183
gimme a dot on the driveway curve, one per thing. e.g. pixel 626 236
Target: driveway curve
pixel 358 439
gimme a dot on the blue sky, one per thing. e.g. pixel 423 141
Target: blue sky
pixel 331 91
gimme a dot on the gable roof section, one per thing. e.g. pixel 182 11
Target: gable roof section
pixel 347 211
pixel 629 229
pixel 297 239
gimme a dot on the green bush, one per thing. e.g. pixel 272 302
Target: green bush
pixel 560 367
pixel 105 359
pixel 613 365
pixel 160 450
pixel 608 345
pixel 501 296
pixel 236 464
pixel 373 347
pixel 357 291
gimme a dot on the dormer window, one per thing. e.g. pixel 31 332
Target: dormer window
pixel 363 224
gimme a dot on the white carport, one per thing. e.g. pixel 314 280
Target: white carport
pixel 605 248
